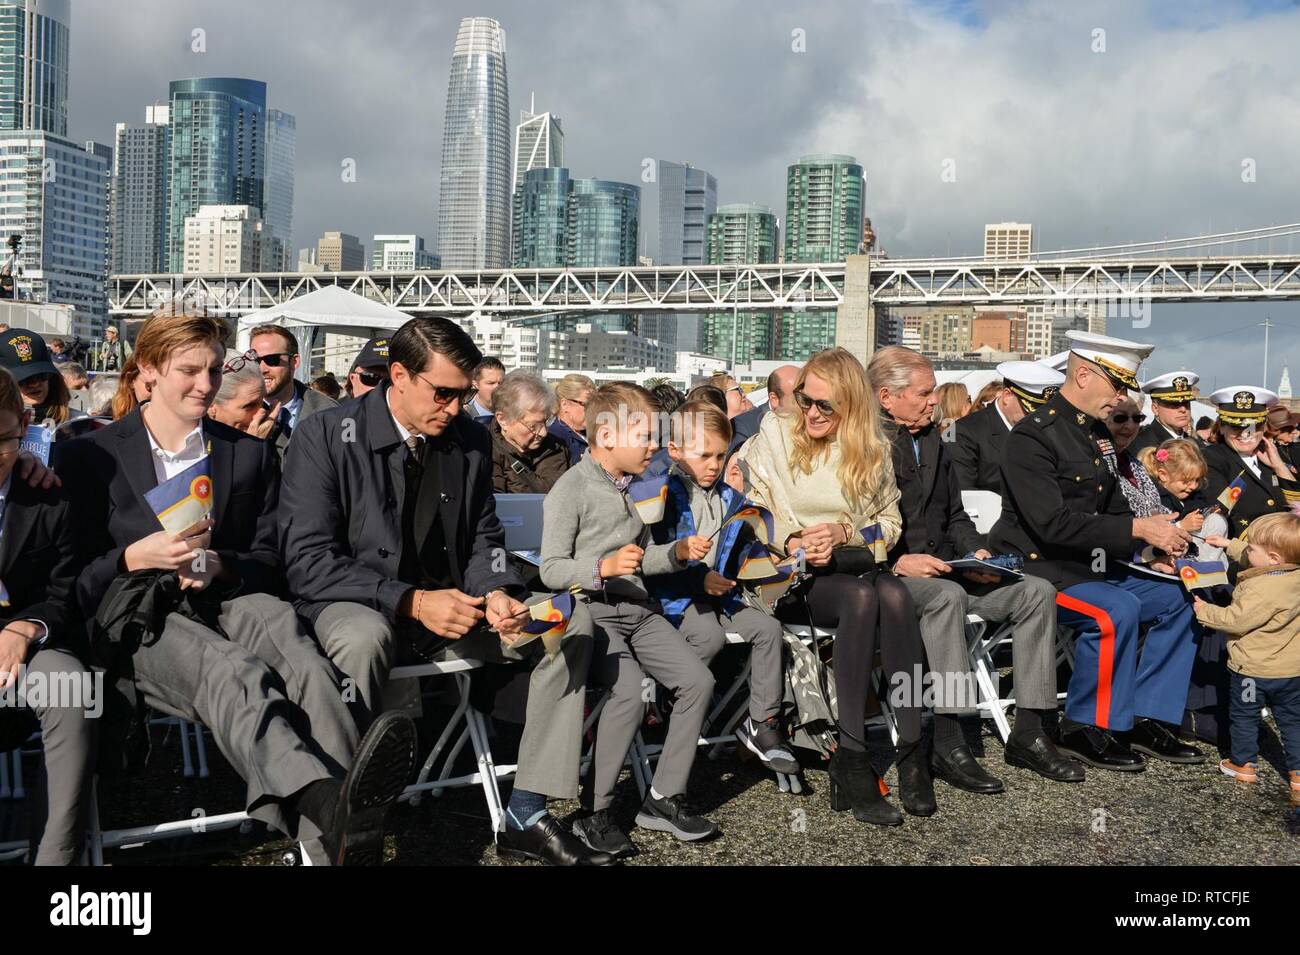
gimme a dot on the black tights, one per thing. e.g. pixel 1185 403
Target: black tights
pixel 859 609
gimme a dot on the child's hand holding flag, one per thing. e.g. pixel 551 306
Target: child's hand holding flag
pixel 693 548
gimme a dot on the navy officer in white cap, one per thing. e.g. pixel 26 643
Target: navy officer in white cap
pixel 981 435
pixel 1062 509
pixel 1171 404
pixel 1244 454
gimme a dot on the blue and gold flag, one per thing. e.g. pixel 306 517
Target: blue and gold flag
pixel 184 500
pixel 1199 574
pixel 757 518
pixel 649 495
pixel 758 564
pixel 874 536
pixel 1232 492
pixel 549 621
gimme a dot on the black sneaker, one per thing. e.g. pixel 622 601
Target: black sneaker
pixel 765 741
pixel 668 814
pixel 600 833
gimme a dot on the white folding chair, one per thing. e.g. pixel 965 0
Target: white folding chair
pixel 981 647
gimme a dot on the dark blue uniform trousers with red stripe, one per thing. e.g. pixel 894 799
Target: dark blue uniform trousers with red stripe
pixel 1112 685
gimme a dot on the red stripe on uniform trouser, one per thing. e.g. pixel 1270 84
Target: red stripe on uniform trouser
pixel 1105 652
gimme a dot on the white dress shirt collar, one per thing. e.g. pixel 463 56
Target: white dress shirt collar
pixel 168 464
pixel 401 432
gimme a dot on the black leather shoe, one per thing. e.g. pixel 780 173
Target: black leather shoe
pixel 1098 748
pixel 549 842
pixel 1155 739
pixel 1041 755
pixel 958 768
pixel 380 771
pixel 916 788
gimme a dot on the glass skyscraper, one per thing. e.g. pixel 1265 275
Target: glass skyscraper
pixel 54 193
pixel 540 235
pixel 281 160
pixel 687 197
pixel 218 151
pixel 139 201
pixel 603 219
pixel 823 223
pixel 823 209
pixel 474 189
pixel 539 142
pixel 575 223
pixel 738 234
pixel 34 44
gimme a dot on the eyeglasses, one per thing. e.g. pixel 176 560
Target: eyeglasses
pixel 237 363
pixel 275 359
pixel 536 430
pixel 580 404
pixel 445 396
pixel 1173 404
pixel 10 445
pixel 805 403
pixel 1123 418
pixel 371 379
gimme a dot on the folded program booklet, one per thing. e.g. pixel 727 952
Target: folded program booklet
pixel 982 567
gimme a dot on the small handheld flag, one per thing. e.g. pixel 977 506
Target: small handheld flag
pixel 649 496
pixel 757 518
pixel 875 539
pixel 1233 491
pixel 758 564
pixel 550 619
pixel 770 591
pixel 1199 575
pixel 184 500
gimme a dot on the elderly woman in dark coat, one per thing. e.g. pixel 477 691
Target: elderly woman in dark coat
pixel 526 458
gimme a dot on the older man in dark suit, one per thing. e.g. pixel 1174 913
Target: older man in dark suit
pixel 394 550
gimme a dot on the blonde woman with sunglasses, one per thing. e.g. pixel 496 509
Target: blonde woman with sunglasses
pixel 826 475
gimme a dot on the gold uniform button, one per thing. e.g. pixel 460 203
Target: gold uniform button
pixel 1100 488
pixel 1078 477
pixel 1096 462
pixel 1033 557
pixel 1270 503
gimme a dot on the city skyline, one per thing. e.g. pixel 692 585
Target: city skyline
pixel 1040 124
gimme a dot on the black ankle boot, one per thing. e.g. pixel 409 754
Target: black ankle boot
pixel 916 788
pixel 855 785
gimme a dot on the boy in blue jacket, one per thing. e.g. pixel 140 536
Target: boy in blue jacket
pixel 702 599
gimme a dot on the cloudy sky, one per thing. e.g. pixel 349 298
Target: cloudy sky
pixel 1100 123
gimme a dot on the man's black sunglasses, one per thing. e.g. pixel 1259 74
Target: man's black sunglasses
pixel 1123 418
pixel 275 359
pixel 372 379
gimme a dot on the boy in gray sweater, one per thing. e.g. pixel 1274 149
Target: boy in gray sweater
pixel 593 537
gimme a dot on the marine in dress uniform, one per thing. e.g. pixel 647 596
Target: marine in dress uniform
pixel 1064 512
pixel 1171 402
pixel 1243 410
pixel 981 435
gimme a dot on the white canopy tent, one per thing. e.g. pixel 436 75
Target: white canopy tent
pixel 332 308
